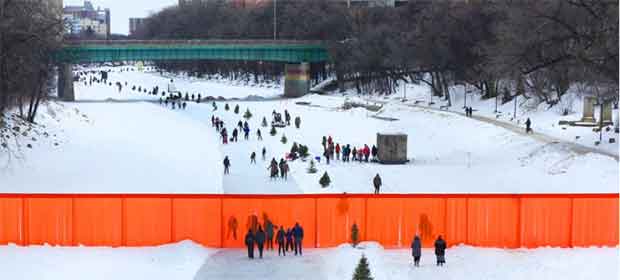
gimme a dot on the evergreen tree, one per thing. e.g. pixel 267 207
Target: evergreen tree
pixel 236 109
pixel 312 168
pixel 303 151
pixel 226 107
pixel 264 123
pixel 362 271
pixel 295 148
pixel 273 131
pixel 283 139
pixel 325 180
pixel 248 114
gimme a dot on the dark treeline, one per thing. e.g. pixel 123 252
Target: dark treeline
pixel 30 32
pixel 502 48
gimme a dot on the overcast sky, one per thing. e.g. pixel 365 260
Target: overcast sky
pixel 122 10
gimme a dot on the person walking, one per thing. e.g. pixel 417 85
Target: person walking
pixel 366 152
pixel 440 251
pixel 285 169
pixel 374 153
pixel 249 242
pixel 377 183
pixel 269 234
pixel 264 152
pixel 260 241
pixel 280 238
pixel 246 133
pixel 235 133
pixel 337 151
pixel 528 126
pixel 259 135
pixel 289 239
pixel 253 158
pixel 416 250
pixel 298 234
pixel 226 165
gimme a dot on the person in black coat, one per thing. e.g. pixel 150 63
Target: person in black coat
pixel 440 251
pixel 226 165
pixel 260 241
pixel 280 238
pixel 249 242
pixel 416 250
pixel 298 235
pixel 289 239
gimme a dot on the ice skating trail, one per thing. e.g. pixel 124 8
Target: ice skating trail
pixel 234 264
pixel 246 177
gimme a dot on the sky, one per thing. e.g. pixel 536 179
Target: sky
pixel 122 10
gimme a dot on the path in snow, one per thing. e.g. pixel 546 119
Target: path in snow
pixel 575 147
pixel 234 264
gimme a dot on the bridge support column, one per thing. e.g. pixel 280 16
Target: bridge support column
pixel 297 80
pixel 65 82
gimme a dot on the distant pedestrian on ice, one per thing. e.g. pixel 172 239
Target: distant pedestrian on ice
pixel 249 242
pixel 260 241
pixel 298 235
pixel 416 250
pixel 264 153
pixel 280 238
pixel 528 126
pixel 253 158
pixel 226 165
pixel 289 240
pixel 440 251
pixel 377 183
pixel 259 135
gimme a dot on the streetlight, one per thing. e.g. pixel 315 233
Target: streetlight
pixel 275 20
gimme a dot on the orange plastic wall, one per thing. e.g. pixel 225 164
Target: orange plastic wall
pixel 504 221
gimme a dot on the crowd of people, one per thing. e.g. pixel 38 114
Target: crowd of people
pixel 332 150
pixel 289 239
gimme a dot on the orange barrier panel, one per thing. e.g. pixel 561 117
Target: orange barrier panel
pixel 97 221
pixel 595 222
pixel 456 221
pixel 493 222
pixel 49 220
pixel 505 221
pixel 547 223
pixel 198 219
pixel 148 221
pixel 11 221
pixel 336 217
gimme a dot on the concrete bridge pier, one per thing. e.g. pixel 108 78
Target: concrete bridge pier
pixel 65 82
pixel 297 80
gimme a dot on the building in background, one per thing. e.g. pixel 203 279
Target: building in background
pixel 87 21
pixel 135 24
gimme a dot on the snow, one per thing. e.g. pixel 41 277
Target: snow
pixel 176 261
pixel 187 260
pixel 122 143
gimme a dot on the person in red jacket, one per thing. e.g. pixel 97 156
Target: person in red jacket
pixel 337 151
pixel 366 153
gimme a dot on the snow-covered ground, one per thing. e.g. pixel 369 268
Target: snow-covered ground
pixel 145 147
pixel 189 261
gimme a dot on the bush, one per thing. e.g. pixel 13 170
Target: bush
pixel 226 107
pixel 325 180
pixel 303 151
pixel 295 149
pixel 273 131
pixel 312 168
pixel 362 271
pixel 236 109
pixel 283 139
pixel 248 114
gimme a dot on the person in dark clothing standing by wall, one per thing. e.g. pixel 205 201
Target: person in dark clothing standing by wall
pixel 280 238
pixel 269 234
pixel 440 251
pixel 298 234
pixel 289 239
pixel 249 242
pixel 416 250
pixel 260 241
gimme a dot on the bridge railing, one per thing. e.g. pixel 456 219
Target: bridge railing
pixel 194 42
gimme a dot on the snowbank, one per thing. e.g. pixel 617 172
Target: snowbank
pixel 177 261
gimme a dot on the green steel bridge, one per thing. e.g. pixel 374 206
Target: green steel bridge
pixel 295 54
pixel 156 50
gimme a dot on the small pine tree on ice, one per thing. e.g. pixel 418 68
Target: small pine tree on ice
pixel 325 180
pixel 273 131
pixel 236 109
pixel 303 151
pixel 312 168
pixel 226 107
pixel 362 271
pixel 248 114
pixel 283 139
pixel 264 123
